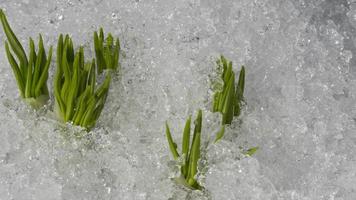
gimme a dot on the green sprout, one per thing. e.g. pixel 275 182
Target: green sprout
pixel 106 51
pixel 228 101
pixel 250 151
pixel 190 155
pixel 77 100
pixel 31 74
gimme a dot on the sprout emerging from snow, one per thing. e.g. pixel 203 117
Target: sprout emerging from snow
pixel 106 51
pixel 31 74
pixel 192 155
pixel 228 101
pixel 77 99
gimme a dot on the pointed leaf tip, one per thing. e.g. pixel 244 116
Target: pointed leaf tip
pixel 172 144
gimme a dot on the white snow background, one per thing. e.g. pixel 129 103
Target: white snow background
pixel 300 92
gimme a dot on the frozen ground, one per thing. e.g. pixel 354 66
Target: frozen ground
pixel 301 94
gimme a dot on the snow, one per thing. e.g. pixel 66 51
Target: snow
pixel 300 92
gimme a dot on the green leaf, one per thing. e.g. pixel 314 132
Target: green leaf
pixel 250 151
pixel 73 88
pixel 97 110
pixel 193 184
pixel 28 93
pixel 239 92
pixel 237 108
pixel 98 53
pixel 69 50
pixel 16 70
pixel 101 34
pixel 186 137
pixel 220 134
pixel 43 78
pixel 14 43
pixel 227 77
pixel 216 102
pixel 44 56
pixel 185 145
pixel 59 52
pixel 101 95
pixel 92 76
pixel 227 110
pixel 194 155
pixel 58 77
pixel 37 68
pixel 228 73
pixel 241 83
pixel 198 124
pixel 82 105
pixel 66 60
pixel 224 64
pixel 221 100
pixel 88 115
pixel 117 54
pixel 104 87
pixel 172 144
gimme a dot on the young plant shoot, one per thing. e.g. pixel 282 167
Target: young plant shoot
pixel 228 101
pixel 250 151
pixel 190 152
pixel 77 100
pixel 106 51
pixel 31 74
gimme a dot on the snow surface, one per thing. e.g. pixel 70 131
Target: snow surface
pixel 300 92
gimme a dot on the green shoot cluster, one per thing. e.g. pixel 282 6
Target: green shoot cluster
pixel 106 51
pixel 76 98
pixel 31 74
pixel 190 155
pixel 228 101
